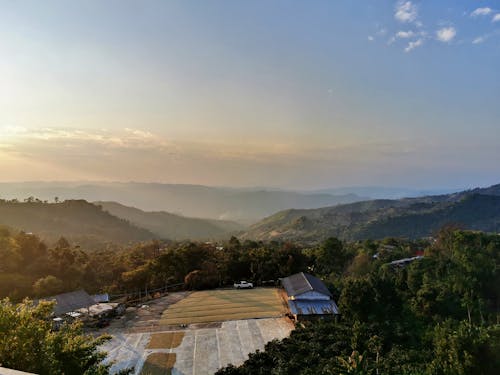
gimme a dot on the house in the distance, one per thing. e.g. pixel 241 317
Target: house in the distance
pixel 80 305
pixel 309 298
pixel 67 303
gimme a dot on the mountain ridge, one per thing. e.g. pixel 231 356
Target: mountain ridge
pixel 377 219
pixel 79 221
pixel 236 204
pixel 172 226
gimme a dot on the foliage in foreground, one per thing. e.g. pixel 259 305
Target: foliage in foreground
pixel 328 348
pixel 438 315
pixel 28 343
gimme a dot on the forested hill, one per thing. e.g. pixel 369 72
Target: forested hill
pixel 174 227
pixel 77 220
pixel 410 218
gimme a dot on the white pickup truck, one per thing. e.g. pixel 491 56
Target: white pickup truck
pixel 243 285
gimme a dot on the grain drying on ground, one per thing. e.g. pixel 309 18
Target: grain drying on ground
pixel 221 305
pixel 165 340
pixel 159 364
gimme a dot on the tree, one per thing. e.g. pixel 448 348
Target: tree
pixel 462 348
pixel 357 299
pixel 9 254
pixel 360 265
pixel 206 278
pixel 354 364
pixel 28 343
pixel 48 286
pixel 330 257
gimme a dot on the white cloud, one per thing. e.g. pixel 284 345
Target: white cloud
pixel 405 11
pixel 481 12
pixel 12 130
pixel 139 133
pixel 446 34
pixel 371 38
pixel 128 138
pixel 413 45
pixel 405 34
pixel 496 18
pixel 478 40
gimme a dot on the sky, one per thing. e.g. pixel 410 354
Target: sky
pixel 290 94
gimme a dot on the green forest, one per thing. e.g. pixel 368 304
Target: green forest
pixel 79 221
pixel 437 315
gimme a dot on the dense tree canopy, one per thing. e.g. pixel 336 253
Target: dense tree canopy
pixel 438 315
pixel 28 343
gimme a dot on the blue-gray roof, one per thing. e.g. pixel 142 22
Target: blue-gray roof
pixel 71 301
pixel 313 307
pixel 303 282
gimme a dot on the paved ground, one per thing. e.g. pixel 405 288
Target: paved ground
pixel 202 351
pixel 207 344
pixel 147 317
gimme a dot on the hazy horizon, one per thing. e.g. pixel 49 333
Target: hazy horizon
pixel 291 95
pixel 250 187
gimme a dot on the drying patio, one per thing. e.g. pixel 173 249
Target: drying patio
pixel 226 304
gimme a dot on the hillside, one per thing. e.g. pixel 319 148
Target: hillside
pixel 79 221
pixel 410 217
pixel 174 227
pixel 242 205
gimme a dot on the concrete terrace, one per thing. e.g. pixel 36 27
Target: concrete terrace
pixel 203 350
pixel 211 329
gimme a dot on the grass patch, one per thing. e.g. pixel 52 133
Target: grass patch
pixel 220 305
pixel 159 364
pixel 166 340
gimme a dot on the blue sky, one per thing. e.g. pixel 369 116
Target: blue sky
pixel 280 93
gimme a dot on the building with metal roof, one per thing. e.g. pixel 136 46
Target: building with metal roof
pixel 101 298
pixel 70 302
pixel 308 297
pixel 405 261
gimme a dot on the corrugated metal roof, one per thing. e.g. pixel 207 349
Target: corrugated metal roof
pixel 71 301
pixel 303 282
pixel 404 261
pixel 311 307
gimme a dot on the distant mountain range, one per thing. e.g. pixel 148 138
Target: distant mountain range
pixel 383 192
pixel 80 222
pixel 92 225
pixel 173 227
pixel 243 205
pixel 410 217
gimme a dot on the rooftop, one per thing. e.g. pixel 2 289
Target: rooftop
pixel 72 301
pixel 301 307
pixel 303 282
